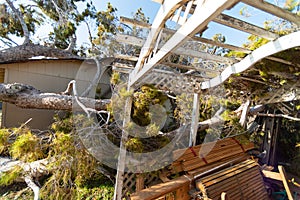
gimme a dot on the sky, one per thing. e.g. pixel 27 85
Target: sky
pixel 126 8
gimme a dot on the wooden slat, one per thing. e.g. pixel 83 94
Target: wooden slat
pixel 272 47
pixel 241 181
pixel 165 11
pixel 274 10
pixel 179 51
pixel 272 175
pixel 134 22
pixel 170 31
pixel 161 189
pixel 203 14
pixel 126 57
pixel 285 182
pixel 244 26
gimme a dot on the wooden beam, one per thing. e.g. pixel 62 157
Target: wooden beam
pixel 272 175
pixel 244 26
pixel 164 13
pixel 285 182
pixel 196 38
pixel 179 51
pixel 126 57
pixel 274 10
pixel 159 1
pixel 195 120
pixel 204 13
pixel 272 47
pixel 134 22
pixel 190 67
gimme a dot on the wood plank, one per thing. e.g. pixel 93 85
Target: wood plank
pixel 170 31
pixel 274 10
pixel 179 51
pixel 126 57
pixel 285 182
pixel 165 11
pixel 161 189
pixel 244 26
pixel 272 47
pixel 272 175
pixel 134 22
pixel 203 14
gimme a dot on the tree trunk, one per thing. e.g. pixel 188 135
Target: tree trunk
pixel 27 51
pixel 25 96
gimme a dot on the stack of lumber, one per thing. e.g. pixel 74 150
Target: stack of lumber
pixel 241 181
pixel 201 158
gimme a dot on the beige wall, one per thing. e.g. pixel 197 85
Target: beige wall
pixel 47 76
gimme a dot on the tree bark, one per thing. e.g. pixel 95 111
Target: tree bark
pixel 27 51
pixel 26 96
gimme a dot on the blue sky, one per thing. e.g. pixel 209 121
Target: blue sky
pixel 128 7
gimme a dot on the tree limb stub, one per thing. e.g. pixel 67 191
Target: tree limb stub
pixel 26 96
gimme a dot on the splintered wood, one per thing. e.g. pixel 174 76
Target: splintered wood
pixel 201 158
pixel 241 181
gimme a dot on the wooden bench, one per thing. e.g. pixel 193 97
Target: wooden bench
pixel 196 162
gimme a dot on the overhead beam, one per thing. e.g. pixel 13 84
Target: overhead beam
pixel 134 22
pixel 165 12
pixel 179 51
pixel 244 26
pixel 272 47
pixel 196 38
pixel 274 10
pixel 203 14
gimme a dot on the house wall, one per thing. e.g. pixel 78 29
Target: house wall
pixel 47 76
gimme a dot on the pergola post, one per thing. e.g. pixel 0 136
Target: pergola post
pixel 122 154
pixel 195 120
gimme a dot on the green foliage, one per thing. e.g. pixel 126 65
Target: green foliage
pixel 142 100
pixel 184 108
pixel 27 147
pixel 134 145
pixel 4 141
pixel 9 23
pixel 115 78
pixel 8 178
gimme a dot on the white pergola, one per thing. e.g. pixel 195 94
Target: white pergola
pixel 192 17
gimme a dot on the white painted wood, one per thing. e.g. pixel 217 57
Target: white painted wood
pixel 179 51
pixel 274 10
pixel 244 26
pixel 170 31
pixel 126 57
pixel 165 11
pixel 122 154
pixel 183 19
pixel 176 17
pixel 195 120
pixel 199 20
pixel 281 44
pixel 159 1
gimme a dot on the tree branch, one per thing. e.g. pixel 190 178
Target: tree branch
pixel 25 96
pixel 278 115
pixel 22 22
pixel 102 64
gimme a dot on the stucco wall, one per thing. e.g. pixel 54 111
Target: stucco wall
pixel 47 76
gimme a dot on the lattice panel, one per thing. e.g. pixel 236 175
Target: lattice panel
pixel 174 82
pixel 129 183
pixel 284 94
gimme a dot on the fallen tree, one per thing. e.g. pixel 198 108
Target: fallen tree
pixel 26 96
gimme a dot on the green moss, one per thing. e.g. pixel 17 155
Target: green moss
pixel 134 145
pixel 8 178
pixel 4 143
pixel 27 148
